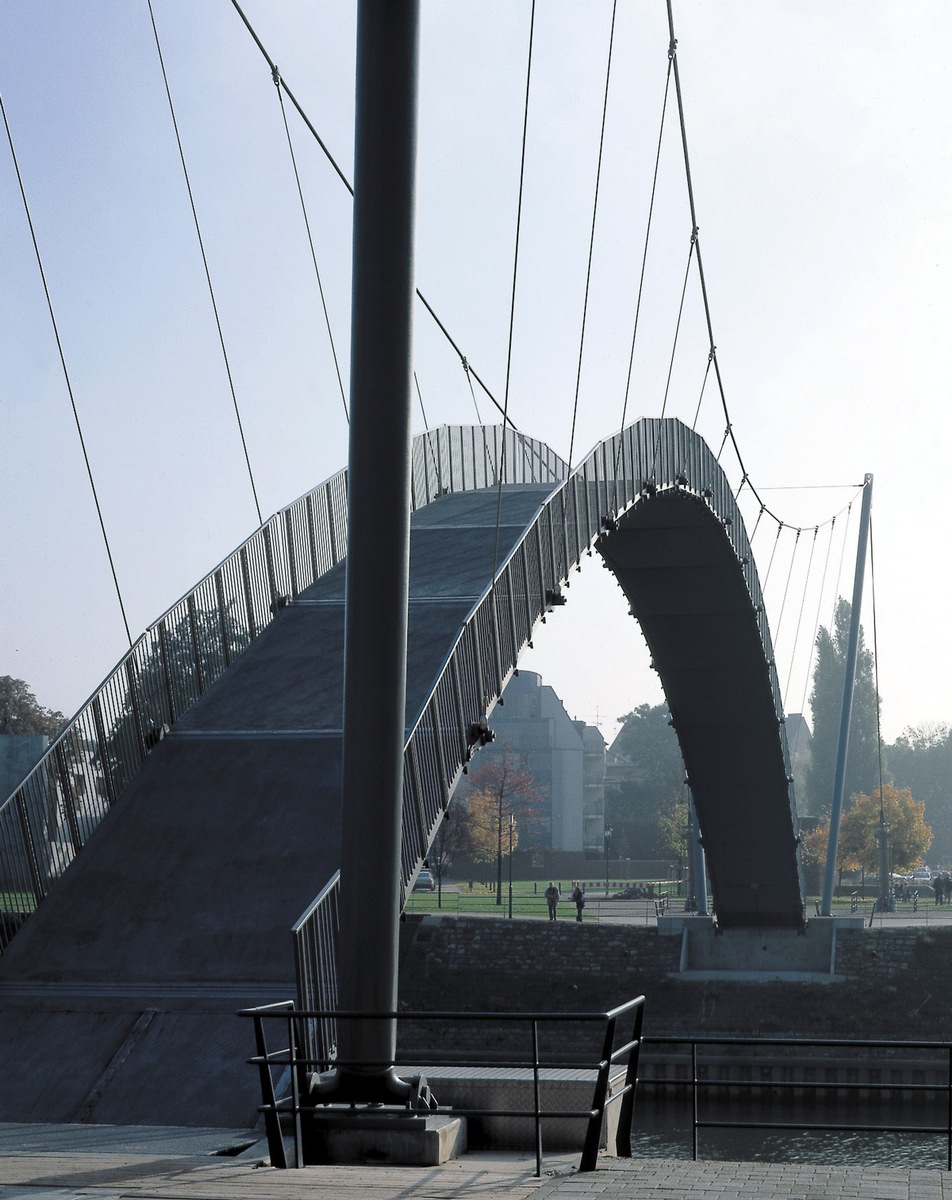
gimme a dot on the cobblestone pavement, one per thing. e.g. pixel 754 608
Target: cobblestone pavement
pixel 82 1162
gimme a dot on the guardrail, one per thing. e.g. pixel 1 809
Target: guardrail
pixel 49 818
pixel 836 1069
pixel 284 1074
pixel 647 456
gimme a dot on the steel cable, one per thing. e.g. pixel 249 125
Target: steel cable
pixel 591 239
pixel 66 375
pixel 644 257
pixel 282 83
pixel 310 241
pixel 208 275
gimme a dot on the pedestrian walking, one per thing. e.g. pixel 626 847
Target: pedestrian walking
pixel 938 886
pixel 578 899
pixel 552 898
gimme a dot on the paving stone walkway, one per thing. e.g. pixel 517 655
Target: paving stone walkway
pixel 92 1162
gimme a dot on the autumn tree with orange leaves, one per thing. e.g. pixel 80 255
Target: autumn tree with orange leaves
pixel 500 787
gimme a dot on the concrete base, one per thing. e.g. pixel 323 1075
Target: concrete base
pixel 511 1089
pixel 756 955
pixel 401 1139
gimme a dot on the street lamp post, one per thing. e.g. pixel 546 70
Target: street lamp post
pixel 608 838
pixel 499 851
pixel 512 826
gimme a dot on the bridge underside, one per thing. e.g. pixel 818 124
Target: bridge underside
pixel 688 591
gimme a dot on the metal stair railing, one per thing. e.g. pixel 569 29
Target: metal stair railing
pixel 49 818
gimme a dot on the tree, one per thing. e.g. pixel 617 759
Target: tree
pixel 500 787
pixel 20 714
pixel 909 836
pixel 826 703
pixel 921 760
pixel 451 838
pixel 655 783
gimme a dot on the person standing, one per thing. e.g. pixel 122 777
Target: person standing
pixel 578 899
pixel 552 898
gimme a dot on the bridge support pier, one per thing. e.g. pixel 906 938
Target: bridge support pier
pixel 378 552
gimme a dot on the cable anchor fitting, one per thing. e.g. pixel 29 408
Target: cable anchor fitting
pixel 276 76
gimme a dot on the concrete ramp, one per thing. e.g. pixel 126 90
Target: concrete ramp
pixel 118 997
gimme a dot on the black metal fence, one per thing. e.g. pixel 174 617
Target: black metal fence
pixel 287 1101
pixel 777 1070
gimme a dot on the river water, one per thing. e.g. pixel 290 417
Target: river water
pixel 662 1129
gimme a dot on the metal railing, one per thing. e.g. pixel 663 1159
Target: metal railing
pixel 49 818
pixel 650 455
pixel 285 1090
pixel 757 1067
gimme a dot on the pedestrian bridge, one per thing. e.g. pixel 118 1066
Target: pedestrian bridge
pixel 163 849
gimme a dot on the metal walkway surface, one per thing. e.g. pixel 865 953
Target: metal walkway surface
pixel 70 1162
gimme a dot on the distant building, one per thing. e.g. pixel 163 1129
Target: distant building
pixel 566 757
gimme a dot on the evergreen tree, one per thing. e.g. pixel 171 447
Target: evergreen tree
pixel 636 806
pixel 826 703
pixel 921 760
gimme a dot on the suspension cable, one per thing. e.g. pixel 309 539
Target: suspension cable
pixel 700 399
pixel 674 349
pixel 728 432
pixel 512 301
pixel 282 84
pixel 786 586
pixel 276 75
pixel 591 239
pixel 644 256
pixel 208 276
pixel 472 392
pixel 816 625
pixel 66 375
pixel 800 610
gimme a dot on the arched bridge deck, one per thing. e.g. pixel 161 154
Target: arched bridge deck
pixel 202 848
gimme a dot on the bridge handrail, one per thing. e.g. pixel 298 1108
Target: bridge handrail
pixel 651 453
pixel 49 818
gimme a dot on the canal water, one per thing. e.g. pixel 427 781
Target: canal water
pixel 662 1129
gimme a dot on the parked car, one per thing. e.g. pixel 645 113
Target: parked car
pixel 424 881
pixel 921 875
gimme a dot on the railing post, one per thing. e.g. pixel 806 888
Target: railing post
pixel 103 753
pixel 29 846
pixel 69 803
pixel 694 1101
pixel 269 565
pixel 599 1100
pixel 248 593
pixel 135 703
pixel 536 1098
pixel 292 553
pixel 196 645
pixel 948 1158
pixel 167 671
pixel 272 1121
pixel 627 1113
pixel 222 617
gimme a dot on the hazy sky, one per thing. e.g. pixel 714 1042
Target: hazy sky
pixel 821 155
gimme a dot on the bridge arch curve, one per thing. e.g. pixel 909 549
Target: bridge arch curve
pixel 656 506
